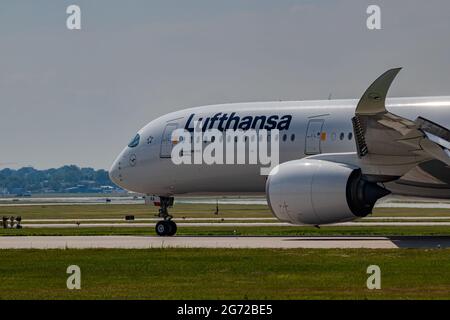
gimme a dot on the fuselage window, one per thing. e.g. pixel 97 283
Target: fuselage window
pixel 135 141
pixel 284 137
pixel 350 136
pixel 292 137
pixel 341 136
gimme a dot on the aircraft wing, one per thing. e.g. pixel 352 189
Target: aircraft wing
pixel 393 144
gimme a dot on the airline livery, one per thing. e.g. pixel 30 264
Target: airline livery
pixel 329 161
pixel 233 121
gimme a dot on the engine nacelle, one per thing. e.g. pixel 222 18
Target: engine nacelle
pixel 318 192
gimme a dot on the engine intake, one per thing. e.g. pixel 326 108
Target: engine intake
pixel 315 192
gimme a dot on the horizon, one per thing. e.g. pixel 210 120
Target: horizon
pixel 57 167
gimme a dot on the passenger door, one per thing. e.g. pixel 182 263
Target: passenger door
pixel 166 141
pixel 313 136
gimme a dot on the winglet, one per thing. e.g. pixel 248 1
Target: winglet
pixel 373 100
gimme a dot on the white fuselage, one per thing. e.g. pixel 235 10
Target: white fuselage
pixel 315 127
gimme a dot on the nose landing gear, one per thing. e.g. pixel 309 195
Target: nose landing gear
pixel 166 227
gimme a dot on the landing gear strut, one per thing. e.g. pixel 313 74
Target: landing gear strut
pixel 166 227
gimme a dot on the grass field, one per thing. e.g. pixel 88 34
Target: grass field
pixel 228 212
pixel 138 210
pixel 225 274
pixel 179 211
pixel 238 231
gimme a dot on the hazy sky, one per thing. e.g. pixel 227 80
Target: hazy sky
pixel 78 97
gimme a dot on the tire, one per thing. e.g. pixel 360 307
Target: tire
pixel 163 228
pixel 173 228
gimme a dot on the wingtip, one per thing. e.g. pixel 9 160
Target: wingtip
pixel 398 69
pixel 392 72
pixel 373 99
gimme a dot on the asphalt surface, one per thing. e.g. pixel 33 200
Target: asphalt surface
pixel 144 242
pixel 230 224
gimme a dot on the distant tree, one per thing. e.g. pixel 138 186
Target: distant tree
pixel 59 179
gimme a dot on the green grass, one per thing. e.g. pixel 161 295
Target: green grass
pixel 238 231
pixel 225 274
pixel 179 210
pixel 206 211
pixel 410 212
pixel 138 210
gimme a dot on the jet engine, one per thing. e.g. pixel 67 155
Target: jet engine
pixel 316 192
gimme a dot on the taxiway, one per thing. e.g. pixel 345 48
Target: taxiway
pixel 143 242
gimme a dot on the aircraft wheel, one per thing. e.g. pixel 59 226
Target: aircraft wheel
pixel 173 228
pixel 163 228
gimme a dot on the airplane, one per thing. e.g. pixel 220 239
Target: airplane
pixel 336 157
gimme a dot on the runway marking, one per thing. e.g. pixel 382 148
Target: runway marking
pixel 407 218
pixel 151 219
pixel 232 224
pixel 142 242
pixel 222 220
pixel 75 201
pixel 180 219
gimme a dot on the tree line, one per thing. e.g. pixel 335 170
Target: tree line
pixel 68 178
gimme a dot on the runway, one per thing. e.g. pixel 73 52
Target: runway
pixel 144 242
pixel 230 224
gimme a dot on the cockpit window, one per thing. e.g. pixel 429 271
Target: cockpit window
pixel 135 141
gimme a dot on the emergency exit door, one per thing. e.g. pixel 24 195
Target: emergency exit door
pixel 166 141
pixel 313 136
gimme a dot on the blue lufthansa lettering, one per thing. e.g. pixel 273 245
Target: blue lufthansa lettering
pixel 224 122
